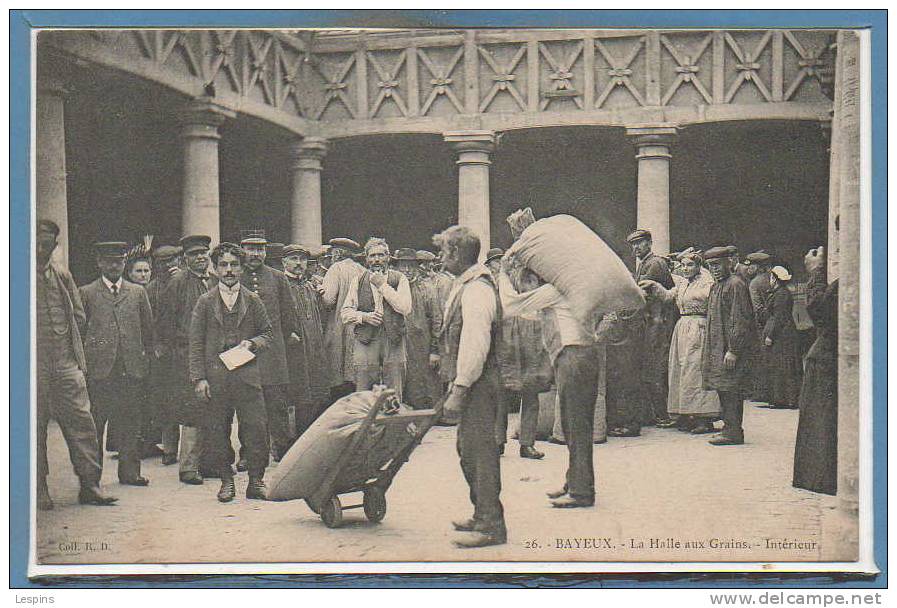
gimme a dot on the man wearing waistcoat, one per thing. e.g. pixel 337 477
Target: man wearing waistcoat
pixel 227 316
pixel 118 345
pixel 61 387
pixel 375 309
pixel 471 334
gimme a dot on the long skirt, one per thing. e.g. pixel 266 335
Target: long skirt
pixel 686 395
pixel 816 447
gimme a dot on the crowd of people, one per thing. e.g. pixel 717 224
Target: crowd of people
pixel 154 353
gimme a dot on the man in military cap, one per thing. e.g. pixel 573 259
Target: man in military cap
pixel 309 369
pixel 422 386
pixel 660 319
pixel 119 341
pixel 729 343
pixel 176 310
pixel 61 387
pixel 339 339
pixel 165 265
pixel 273 288
pixel 375 308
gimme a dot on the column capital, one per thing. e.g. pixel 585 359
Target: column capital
pixel 308 152
pixel 201 117
pixel 472 147
pixel 652 140
pixel 652 134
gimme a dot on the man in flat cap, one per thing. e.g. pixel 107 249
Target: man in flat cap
pixel 660 319
pixel 61 387
pixel 176 310
pixel 119 341
pixel 228 317
pixel 273 288
pixel 422 386
pixel 306 355
pixel 165 265
pixel 759 264
pixel 375 308
pixel 339 339
pixel 729 344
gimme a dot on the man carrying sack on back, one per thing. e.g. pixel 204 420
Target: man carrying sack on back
pixel 570 306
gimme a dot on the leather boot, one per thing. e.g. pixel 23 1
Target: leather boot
pixel 44 502
pixel 92 495
pixel 228 490
pixel 468 525
pixel 256 488
pixel 528 451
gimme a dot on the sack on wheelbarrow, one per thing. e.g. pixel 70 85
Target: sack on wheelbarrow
pixel 305 465
pixel 568 254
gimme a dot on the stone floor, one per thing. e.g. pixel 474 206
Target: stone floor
pixel 665 496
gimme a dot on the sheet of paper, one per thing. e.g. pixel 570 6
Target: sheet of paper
pixel 236 357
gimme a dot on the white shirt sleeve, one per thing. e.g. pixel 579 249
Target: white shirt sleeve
pixel 529 303
pixel 399 299
pixel 477 315
pixel 349 312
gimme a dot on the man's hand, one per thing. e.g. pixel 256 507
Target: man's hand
pixel 455 401
pixel 201 388
pixel 172 271
pixel 372 318
pixel 815 259
pixel 768 341
pixel 377 279
pixel 248 345
pixel 435 360
pixel 648 286
pixel 160 351
pixel 729 360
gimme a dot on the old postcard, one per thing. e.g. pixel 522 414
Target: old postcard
pixel 507 300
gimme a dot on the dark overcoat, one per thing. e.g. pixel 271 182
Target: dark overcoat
pixel 273 288
pixel 730 327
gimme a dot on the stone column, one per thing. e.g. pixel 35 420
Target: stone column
pixel 847 141
pixel 305 201
pixel 474 149
pixel 200 210
pixel 653 144
pixel 52 202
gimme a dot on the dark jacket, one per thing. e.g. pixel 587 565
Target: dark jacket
pixel 207 337
pixel 178 298
pixel 273 288
pixel 119 326
pixel 76 315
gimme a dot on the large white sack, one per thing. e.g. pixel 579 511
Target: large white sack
pixel 568 254
pixel 305 465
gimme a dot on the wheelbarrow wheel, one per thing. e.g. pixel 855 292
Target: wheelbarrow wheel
pixel 375 503
pixel 332 513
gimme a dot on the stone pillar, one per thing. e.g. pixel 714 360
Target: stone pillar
pixel 474 149
pixel 305 201
pixel 653 144
pixel 200 210
pixel 52 202
pixel 847 140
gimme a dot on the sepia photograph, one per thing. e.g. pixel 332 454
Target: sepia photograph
pixel 433 299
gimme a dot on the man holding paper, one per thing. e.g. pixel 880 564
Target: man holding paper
pixel 231 319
